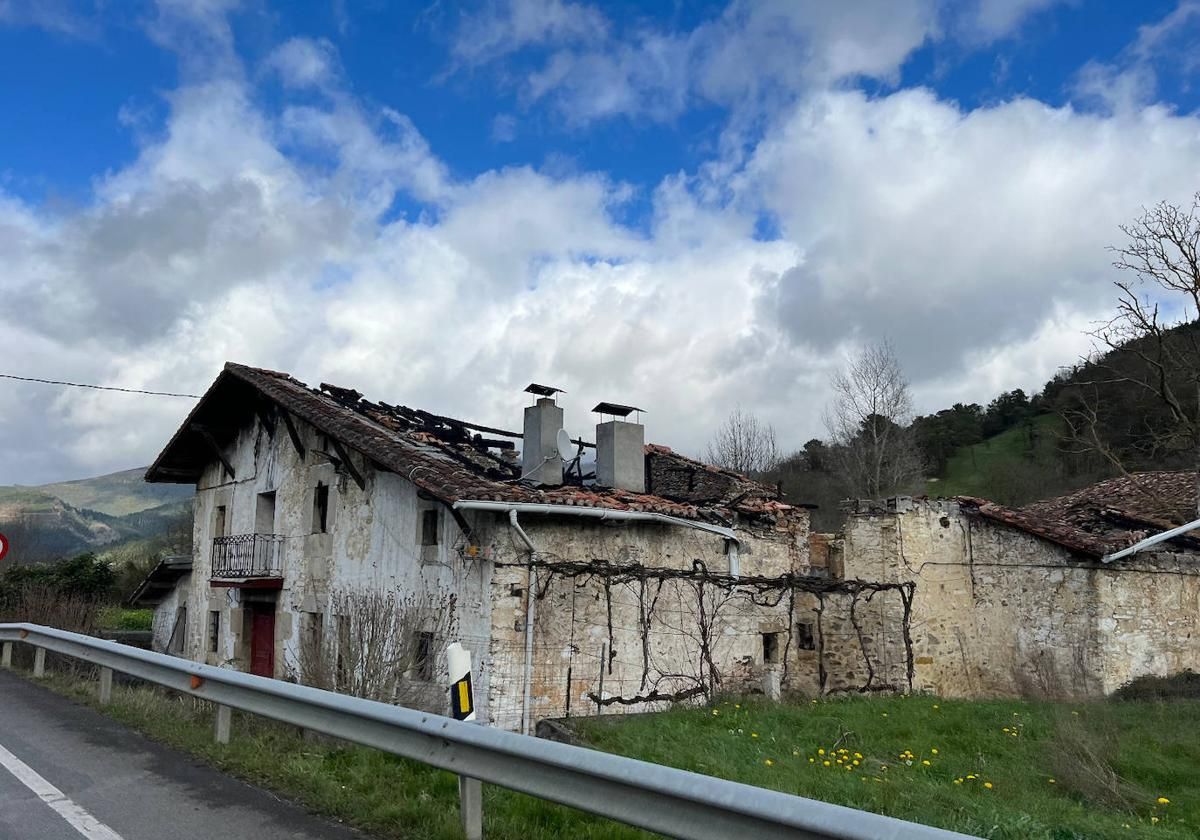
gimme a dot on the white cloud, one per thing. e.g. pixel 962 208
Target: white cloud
pixel 304 62
pixel 508 26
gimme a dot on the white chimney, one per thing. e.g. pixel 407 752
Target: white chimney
pixel 620 449
pixel 540 460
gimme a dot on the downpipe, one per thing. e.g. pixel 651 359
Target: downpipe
pixel 530 615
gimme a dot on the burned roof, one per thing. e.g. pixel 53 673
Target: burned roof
pixel 1105 517
pixel 451 460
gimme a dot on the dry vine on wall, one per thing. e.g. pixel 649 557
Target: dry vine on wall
pixel 702 598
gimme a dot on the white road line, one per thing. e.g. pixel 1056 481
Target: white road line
pixel 80 820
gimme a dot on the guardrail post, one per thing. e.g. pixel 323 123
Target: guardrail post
pixel 105 686
pixel 222 723
pixel 39 663
pixel 462 706
pixel 6 655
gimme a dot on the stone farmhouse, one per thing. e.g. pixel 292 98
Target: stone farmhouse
pixel 337 539
pixel 1026 601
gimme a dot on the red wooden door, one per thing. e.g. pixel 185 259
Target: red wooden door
pixel 262 642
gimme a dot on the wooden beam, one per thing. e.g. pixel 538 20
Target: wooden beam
pixel 263 410
pixel 215 447
pixel 292 433
pixel 350 468
pixel 174 472
pixel 462 523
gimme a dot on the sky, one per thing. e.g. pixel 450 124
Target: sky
pixel 688 207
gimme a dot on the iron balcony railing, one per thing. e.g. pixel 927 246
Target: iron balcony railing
pixel 247 556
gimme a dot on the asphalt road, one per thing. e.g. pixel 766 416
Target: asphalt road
pixel 67 772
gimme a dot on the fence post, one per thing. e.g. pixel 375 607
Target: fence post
pixel 105 686
pixel 6 655
pixel 222 723
pixel 39 662
pixel 462 706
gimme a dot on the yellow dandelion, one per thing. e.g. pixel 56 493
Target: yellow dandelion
pixel 826 763
pixel 716 712
pixel 1154 821
pixel 769 762
pixel 855 762
pixel 1051 781
pixel 885 714
pixel 958 781
pixel 926 762
pixel 970 775
pixel 1162 800
pixel 848 767
pixel 812 761
pixel 987 785
pixel 936 706
pixel 753 734
pixel 934 750
pixel 858 755
pixel 821 751
pixel 737 705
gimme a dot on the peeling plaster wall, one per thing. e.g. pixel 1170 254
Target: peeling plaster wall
pixel 373 541
pixel 999 612
pixel 572 643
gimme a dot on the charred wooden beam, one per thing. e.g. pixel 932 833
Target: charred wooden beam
pixel 344 456
pixel 207 435
pixel 292 433
pixel 265 416
pixel 462 523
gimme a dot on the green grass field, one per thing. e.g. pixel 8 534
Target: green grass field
pixel 1015 467
pixel 1091 770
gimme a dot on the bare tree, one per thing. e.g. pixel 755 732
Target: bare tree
pixel 1156 373
pixel 744 444
pixel 868 424
pixel 382 647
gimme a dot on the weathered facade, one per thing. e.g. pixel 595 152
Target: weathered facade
pixel 575 598
pixel 1020 602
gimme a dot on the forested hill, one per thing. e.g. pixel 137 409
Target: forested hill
pixel 1020 448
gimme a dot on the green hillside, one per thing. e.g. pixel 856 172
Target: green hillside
pixel 1018 466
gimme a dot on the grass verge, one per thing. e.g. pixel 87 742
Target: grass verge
pixel 1093 770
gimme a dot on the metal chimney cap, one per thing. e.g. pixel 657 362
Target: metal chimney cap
pixel 543 390
pixel 616 409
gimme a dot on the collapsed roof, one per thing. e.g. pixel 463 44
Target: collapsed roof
pixel 1105 517
pixel 451 460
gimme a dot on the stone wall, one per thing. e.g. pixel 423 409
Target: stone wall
pixel 999 612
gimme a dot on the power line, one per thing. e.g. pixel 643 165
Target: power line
pixel 97 387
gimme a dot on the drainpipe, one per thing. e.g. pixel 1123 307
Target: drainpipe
pixel 1149 541
pixel 530 615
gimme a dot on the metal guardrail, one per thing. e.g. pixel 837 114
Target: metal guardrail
pixel 649 796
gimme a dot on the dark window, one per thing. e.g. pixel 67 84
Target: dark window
pixel 805 640
pixel 219 521
pixel 770 648
pixel 321 508
pixel 214 630
pixel 264 514
pixel 424 657
pixel 429 527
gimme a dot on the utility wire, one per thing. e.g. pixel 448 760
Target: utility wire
pixel 97 387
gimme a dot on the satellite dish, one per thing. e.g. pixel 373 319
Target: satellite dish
pixel 564 445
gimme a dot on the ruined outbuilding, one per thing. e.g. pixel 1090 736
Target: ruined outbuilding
pixel 1025 601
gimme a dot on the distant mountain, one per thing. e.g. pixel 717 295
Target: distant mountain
pixel 54 521
pixel 116 494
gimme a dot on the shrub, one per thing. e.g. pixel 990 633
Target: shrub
pixel 1182 686
pixel 116 618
